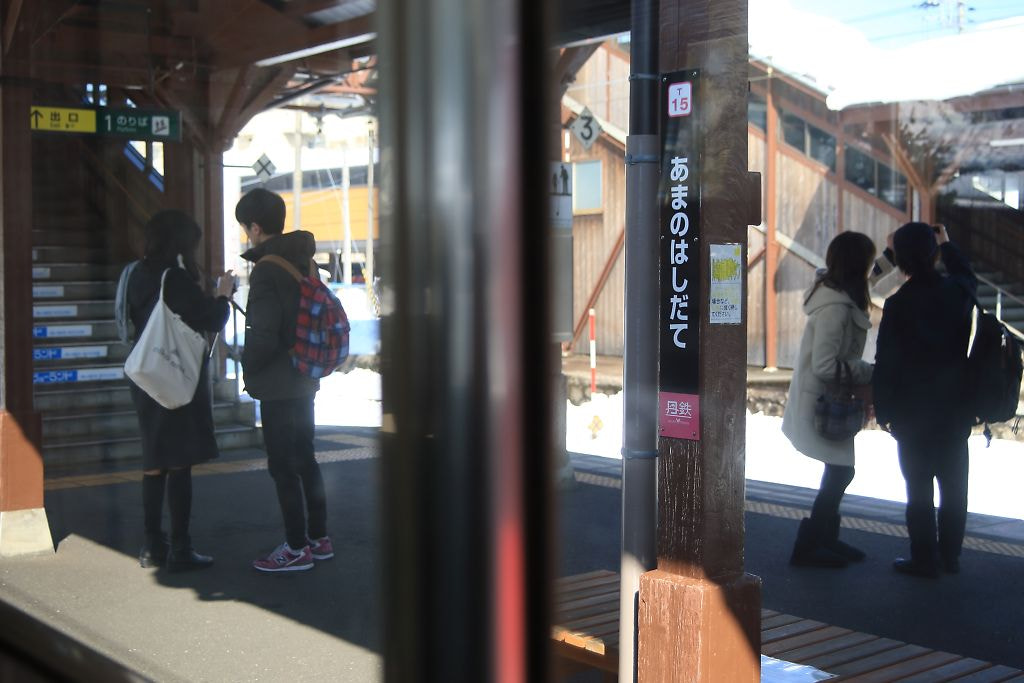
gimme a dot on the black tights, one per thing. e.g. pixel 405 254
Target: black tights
pixel 178 484
pixel 834 481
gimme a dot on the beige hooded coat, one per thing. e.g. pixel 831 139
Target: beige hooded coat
pixel 836 329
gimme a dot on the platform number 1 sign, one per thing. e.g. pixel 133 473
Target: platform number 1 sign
pixel 680 102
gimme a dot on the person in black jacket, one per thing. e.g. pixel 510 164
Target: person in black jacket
pixel 286 395
pixel 919 383
pixel 174 440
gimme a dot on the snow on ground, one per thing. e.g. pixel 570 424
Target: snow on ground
pixel 595 428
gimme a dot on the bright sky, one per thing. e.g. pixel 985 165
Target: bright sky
pixel 883 51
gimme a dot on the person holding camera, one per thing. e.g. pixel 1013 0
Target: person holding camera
pixel 174 440
pixel 837 324
pixel 919 383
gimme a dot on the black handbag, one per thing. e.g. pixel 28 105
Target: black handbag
pixel 839 413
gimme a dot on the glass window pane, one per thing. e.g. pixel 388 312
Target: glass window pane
pixel 860 170
pixel 892 186
pixel 793 131
pixel 586 186
pixel 757 111
pixel 823 147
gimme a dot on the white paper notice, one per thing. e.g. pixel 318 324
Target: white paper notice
pixel 726 306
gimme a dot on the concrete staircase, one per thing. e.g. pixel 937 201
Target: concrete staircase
pixel 78 376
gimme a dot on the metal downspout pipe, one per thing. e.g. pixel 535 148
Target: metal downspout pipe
pixel 640 363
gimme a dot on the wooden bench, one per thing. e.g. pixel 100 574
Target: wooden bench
pixel 586 635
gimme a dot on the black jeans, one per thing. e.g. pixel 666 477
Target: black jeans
pixel 925 458
pixel 288 436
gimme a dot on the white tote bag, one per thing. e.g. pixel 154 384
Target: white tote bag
pixel 168 357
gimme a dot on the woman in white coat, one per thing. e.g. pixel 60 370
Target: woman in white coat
pixel 836 306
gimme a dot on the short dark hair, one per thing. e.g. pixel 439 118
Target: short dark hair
pixel 263 207
pixel 914 247
pixel 170 233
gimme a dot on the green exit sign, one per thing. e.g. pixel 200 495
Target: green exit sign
pixel 140 124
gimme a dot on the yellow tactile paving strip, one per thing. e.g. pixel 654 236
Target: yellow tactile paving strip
pixel 359 448
pixel 859 523
pixel 363 448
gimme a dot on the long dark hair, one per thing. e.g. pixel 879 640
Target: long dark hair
pixel 849 256
pixel 169 233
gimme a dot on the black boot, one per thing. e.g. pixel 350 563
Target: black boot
pixel 182 556
pixel 833 543
pixel 154 552
pixel 809 551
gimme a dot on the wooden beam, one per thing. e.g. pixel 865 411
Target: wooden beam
pixel 602 280
pixel 259 99
pixel 771 220
pixel 75 43
pixel 570 61
pixel 256 42
pixel 11 23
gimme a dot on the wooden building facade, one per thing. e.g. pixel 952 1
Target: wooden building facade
pixel 816 182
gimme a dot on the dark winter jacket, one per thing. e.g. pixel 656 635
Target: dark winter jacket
pixel 183 436
pixel 920 378
pixel 270 319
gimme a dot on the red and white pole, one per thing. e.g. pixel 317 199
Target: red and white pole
pixel 593 352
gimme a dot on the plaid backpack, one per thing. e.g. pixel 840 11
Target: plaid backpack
pixel 321 330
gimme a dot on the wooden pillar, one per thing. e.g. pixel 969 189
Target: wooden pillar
pixel 771 218
pixel 23 526
pixel 699 616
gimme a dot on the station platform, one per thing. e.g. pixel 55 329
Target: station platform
pixel 231 623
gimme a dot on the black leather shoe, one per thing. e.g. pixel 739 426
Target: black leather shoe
pixel 187 560
pixel 913 568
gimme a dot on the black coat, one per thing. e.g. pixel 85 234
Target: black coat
pixel 183 436
pixel 920 377
pixel 270 319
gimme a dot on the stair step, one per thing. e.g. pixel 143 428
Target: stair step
pixel 97 330
pixel 54 356
pixel 85 272
pixel 128 450
pixel 45 293
pixel 42 255
pixel 70 237
pixel 84 376
pixel 70 220
pixel 68 310
pixel 59 397
pixel 114 424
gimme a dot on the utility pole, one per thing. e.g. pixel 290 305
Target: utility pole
pixel 346 217
pixel 297 175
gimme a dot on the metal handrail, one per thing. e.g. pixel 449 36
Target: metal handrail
pixel 1000 293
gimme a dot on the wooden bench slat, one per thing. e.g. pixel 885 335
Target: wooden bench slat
pixel 587 632
pixel 849 654
pixel 589 592
pixel 597 579
pixel 926 662
pixel 779 646
pixel 794 629
pixel 590 622
pixel 779 620
pixel 802 654
pixel 877 661
pixel 578 578
pixel 948 672
pixel 993 674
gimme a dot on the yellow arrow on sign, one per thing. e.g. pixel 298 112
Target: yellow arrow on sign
pixel 62 119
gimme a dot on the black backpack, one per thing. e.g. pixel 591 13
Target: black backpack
pixel 994 369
